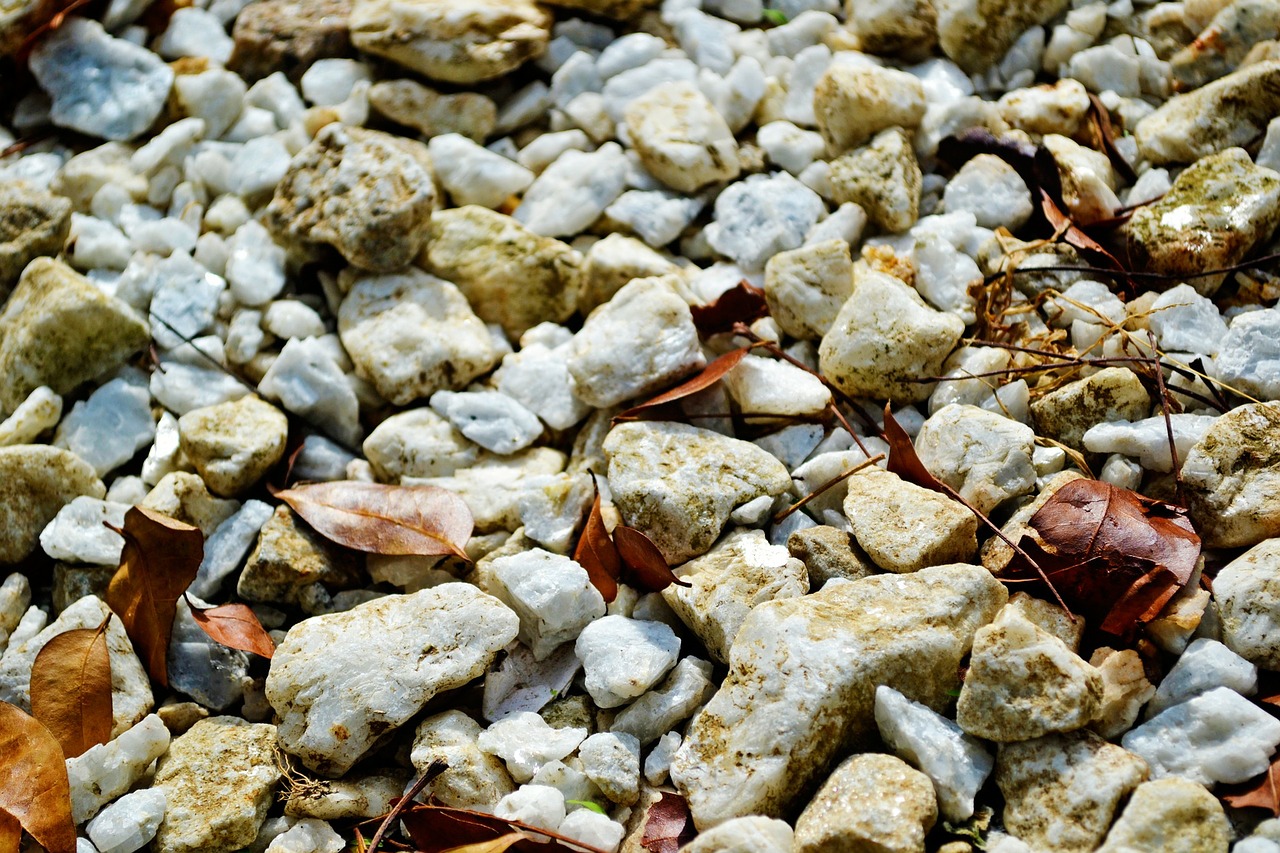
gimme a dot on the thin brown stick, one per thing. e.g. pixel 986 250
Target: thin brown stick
pixel 838 478
pixel 1168 421
pixel 434 769
pixel 1151 276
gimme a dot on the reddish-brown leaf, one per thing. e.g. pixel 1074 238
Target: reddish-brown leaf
pixel 646 567
pixel 423 521
pixel 597 554
pixel 160 559
pixel 497 845
pixel 1100 117
pixel 235 626
pixel 10 833
pixel 436 829
pixel 668 826
pixel 71 688
pixel 1079 240
pixel 1261 793
pixel 903 459
pixel 33 780
pixel 709 376
pixel 742 303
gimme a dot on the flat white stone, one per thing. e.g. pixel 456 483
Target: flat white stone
pixel 1148 439
pixel 1204 665
pixel 612 761
pixel 672 702
pixel 622 658
pixel 535 805
pixel 307 381
pixel 524 683
pixel 78 533
pixel 105 771
pixel 1185 321
pixel 573 191
pixel 111 426
pixel 526 742
pixel 184 300
pixel 766 386
pixel 129 823
pixel 552 595
pixel 473 174
pixel 491 419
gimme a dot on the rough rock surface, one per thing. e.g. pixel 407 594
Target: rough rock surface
pixel 36 481
pixel 233 445
pixel 33 223
pixel 1232 477
pixel 984 456
pixel 681 139
pixel 904 527
pixel 1113 393
pixel 1170 814
pixel 288 36
pixel 871 802
pixel 976 33
pixel 1247 592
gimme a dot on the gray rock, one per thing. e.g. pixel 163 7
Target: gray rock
pixel 36 482
pixel 110 427
pixel 201 667
pixel 1205 665
pixel 869 802
pixel 758 217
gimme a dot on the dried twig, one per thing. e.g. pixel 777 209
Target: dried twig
pixel 838 478
pixel 434 769
pixel 1168 423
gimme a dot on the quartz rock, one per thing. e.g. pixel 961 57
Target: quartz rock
pixel 289 557
pixel 664 707
pixel 456 42
pixel 307 836
pixel 495 485
pixel 199 666
pixel 288 35
pixel 535 805
pixel 412 334
pixel 1170 814
pixel 681 139
pixel 572 192
pixel 679 484
pixel 538 378
pixel 1218 736
pixel 308 382
pixel 38 481
pixel 1023 682
pixel 417 443
pixel 1230 477
pixel 1112 394
pixel 183 496
pixel 622 658
pixel 105 771
pixel 33 223
pixel 598 830
pixel 526 742
pixel 473 174
pixel 510 275
pixel 412 646
pixel 740 572
pixel 1206 664
pixel 975 34
pixel 1125 689
pixel 904 527
pixel 883 178
pixel 612 263
pixel 1185 321
pixel 128 823
pixel 1062 791
pixel 39 412
pixel 233 445
pixel 461 117
pixel 802 677
pixel 1088 181
pixel 255 265
pixel 552 595
pixel 657 764
pixel 767 386
pixel 475 779
pixel 15 598
pixel 1218 210
pixel 612 761
pixel 855 102
pixel 655 216
pixel 1248 355
pixel 100 85
pixel 956 763
pixel 992 191
pixel 58 330
pixel 523 683
pixel 885 336
pixel 871 802
pixel 806 287
pixel 762 215
pixel 744 835
pixel 78 533
pixel 491 419
pixel 982 455
pixel 1148 439
pixel 109 428
pixel 218 779
pixel 640 341
pixel 366 193
pixel 1247 607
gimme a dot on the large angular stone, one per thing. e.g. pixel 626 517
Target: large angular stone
pixel 1111 394
pixel 33 223
pixel 802 679
pixel 233 445
pixel 36 481
pixel 1232 478
pixel 984 456
pixel 870 802
pixel 975 34
pixel 1247 591
pixel 1170 815
pixel 904 527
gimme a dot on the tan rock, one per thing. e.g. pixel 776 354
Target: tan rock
pixel 883 178
pixel 1228 112
pixel 33 223
pixel 870 802
pixel 853 103
pixel 1173 816
pixel 829 552
pixel 1111 394
pixel 184 496
pixel 1232 476
pixel 975 34
pixel 288 36
pixel 681 139
pixel 806 287
pixel 36 481
pixel 433 113
pixel 233 445
pixel 1125 689
pixel 904 527
pixel 290 556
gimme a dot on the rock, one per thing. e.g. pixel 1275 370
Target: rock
pixel 740 572
pixel 288 36
pixel 789 146
pixel 669 704
pixel 538 378
pixel 1185 321
pixel 357 795
pixel 871 802
pixel 904 527
pixel 1062 791
pixel 622 658
pixel 127 84
pixel 183 496
pixel 1247 605
pixel 829 552
pixel 412 334
pixel 1218 210
pixel 475 779
pixel 234 445
pixel 33 223
pixel 572 192
pixel 39 412
pixel 598 830
pixel 1228 112
pixel 289 557
pixel 1205 665
pixel 366 193
pixel 526 742
pixel 612 263
pixel 510 275
pixel 307 381
pixel 681 139
pixel 1111 394
pixel 341 681
pixel 1023 683
pixel 417 443
pixel 855 102
pixel 1228 476
pixel 806 287
pixel 956 763
pixel 679 484
pixel 58 330
pixel 1125 689
pixel 992 191
pixel 38 481
pixel 491 419
pixel 982 455
pixel 655 216
pixel 814 662
pixel 1088 181
pixel 552 595
pixel 1218 736
pixel 128 823
pixel 1170 814
pixel 105 771
pixel 461 117
pixel 199 666
pixel 1148 439
pixel 1247 353
pixel 109 428
pixel 612 761
pixel 534 805
pixel 457 42
pixel 884 337
pixel 760 216
pixel 79 532
pixel 218 779
pixel 975 34
pixel 744 835
pixel 494 487
pixel 883 178
pixel 640 341
pixel 906 28
pixel 307 836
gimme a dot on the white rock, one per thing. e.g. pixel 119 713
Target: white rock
pixel 524 683
pixel 1148 439
pixel 1248 608
pixel 255 268
pixel 98 244
pixel 624 87
pixel 105 771
pixel 78 533
pixel 672 702
pixel 226 547
pixel 1232 497
pixel 957 763
pixel 984 456
pixel 475 779
pixel 321 460
pixel 622 658
pixel 307 836
pixel 111 426
pixel 473 174
pixel 543 150
pixel 745 835
pixel 657 764
pixel 40 411
pixel 612 761
pixel 758 217
pixel 100 85
pixel 536 805
pixel 1105 68
pixel 526 742
pixel 681 138
pixel 417 443
pixel 1206 664
pixel 552 595
pixel 1248 357
pixel 307 381
pixel 573 191
pixel 791 147
pixel 491 419
pixel 1218 736
pixel 291 318
pixel 1185 321
pixel 992 191
pixel 15 597
pixel 215 96
pixel 655 216
pixel 193 31
pixel 846 223
pixel 597 830
pixel 552 507
pixel 128 823
pixel 766 386
pixel 1088 301
pixel 570 782
pixel 184 300
pixel 538 378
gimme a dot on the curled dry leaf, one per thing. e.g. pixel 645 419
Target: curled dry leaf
pixel 742 303
pixel 235 626
pixel 33 781
pixel 668 826
pixel 903 459
pixel 710 375
pixel 437 829
pixel 160 559
pixel 597 553
pixel 10 833
pixel 423 521
pixel 496 845
pixel 646 567
pixel 1261 793
pixel 71 688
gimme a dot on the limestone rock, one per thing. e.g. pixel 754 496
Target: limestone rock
pixel 669 704
pixel 975 34
pixel 762 215
pixel 1231 477
pixel 475 779
pixel 1246 594
pixel 33 223
pixel 744 835
pixel 806 287
pixel 233 445
pixel 218 779
pixel 678 484
pixel 802 679
pixel 855 102
pixel 870 802
pixel 681 139
pixel 183 496
pixel 106 770
pixel 1173 815
pixel 36 482
pixel 468 115
pixel 288 36
pixel 622 658
pixel 1111 394
pixel 827 553
pixel 290 556
pixel 417 443
pixel 904 527
pixel 339 682
pixel 883 178
pixel 1125 689
pixel 1246 358
pixel 982 455
pixel 552 595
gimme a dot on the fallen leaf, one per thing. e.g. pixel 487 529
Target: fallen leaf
pixel 1264 793
pixel 436 829
pixel 160 559
pixel 1100 117
pixel 903 459
pixel 424 521
pixel 596 553
pixel 646 566
pixel 1079 240
pixel 10 833
pixel 742 303
pixel 234 626
pixel 71 688
pixel 497 845
pixel 668 826
pixel 709 376
pixel 33 780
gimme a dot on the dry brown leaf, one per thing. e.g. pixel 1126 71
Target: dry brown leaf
pixel 903 459
pixel 436 829
pixel 10 833
pixel 742 303
pixel 234 626
pixel 423 521
pixel 646 567
pixel 1264 793
pixel 496 845
pixel 71 688
pixel 33 780
pixel 668 826
pixel 160 560
pixel 596 553
pixel 710 375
